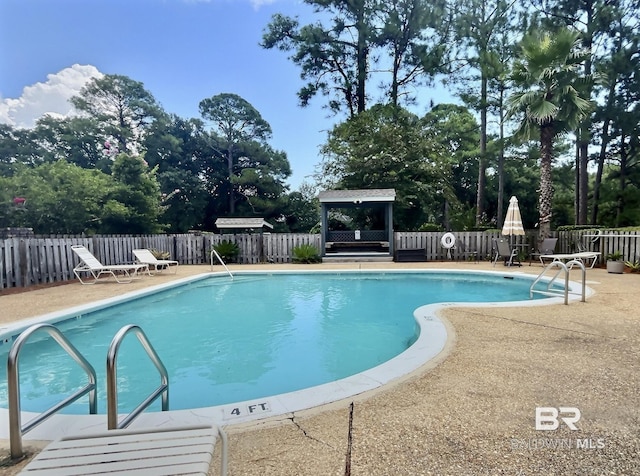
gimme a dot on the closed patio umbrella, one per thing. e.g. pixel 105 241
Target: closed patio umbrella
pixel 513 221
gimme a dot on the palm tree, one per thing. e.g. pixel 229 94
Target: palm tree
pixel 550 99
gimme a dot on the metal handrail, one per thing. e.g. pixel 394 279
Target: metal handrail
pixel 112 390
pixel 16 430
pixel 566 268
pixel 213 251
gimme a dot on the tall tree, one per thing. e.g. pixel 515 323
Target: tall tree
pixel 334 58
pixel 617 64
pixel 180 150
pixel 78 140
pixel 592 18
pixel 456 129
pixel 388 147
pixel 481 28
pixel 547 74
pixel 123 107
pixel 236 121
pixel 133 205
pixel 19 146
pixel 413 33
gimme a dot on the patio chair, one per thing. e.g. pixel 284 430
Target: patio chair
pixel 547 247
pixel 152 451
pixel 145 256
pixel 122 273
pixel 502 248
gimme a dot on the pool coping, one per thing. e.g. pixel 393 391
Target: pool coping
pixel 431 343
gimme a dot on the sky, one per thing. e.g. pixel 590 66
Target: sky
pixel 183 51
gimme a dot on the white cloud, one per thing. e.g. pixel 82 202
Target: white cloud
pixel 260 3
pixel 47 98
pixel 255 3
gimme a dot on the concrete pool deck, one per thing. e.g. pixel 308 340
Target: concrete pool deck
pixel 472 410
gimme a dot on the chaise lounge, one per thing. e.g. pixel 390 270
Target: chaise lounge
pixel 92 268
pixel 145 256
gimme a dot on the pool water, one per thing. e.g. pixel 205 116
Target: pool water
pixel 226 341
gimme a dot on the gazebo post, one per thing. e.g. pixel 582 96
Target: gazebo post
pixel 388 226
pixel 324 230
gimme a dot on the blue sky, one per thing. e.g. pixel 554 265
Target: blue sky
pixel 182 50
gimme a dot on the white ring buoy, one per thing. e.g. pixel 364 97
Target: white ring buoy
pixel 448 240
pixel 596 236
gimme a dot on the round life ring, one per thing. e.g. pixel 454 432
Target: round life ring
pixel 448 240
pixel 596 236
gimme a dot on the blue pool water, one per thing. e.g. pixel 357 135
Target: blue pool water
pixel 225 341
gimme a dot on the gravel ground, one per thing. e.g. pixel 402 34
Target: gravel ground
pixel 472 411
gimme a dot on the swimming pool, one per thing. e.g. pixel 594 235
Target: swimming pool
pixel 397 297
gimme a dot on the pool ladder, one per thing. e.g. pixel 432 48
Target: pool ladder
pixel 17 430
pixel 217 255
pixel 549 291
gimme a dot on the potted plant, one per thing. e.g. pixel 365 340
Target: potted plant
pixel 614 263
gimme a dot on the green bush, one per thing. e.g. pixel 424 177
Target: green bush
pixel 227 250
pixel 579 227
pixel 305 254
pixel 634 266
pixel 430 227
pixel 160 254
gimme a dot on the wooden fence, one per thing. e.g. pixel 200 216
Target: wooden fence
pixel 27 261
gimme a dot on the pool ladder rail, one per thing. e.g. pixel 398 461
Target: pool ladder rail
pixel 217 255
pixel 566 267
pixel 17 430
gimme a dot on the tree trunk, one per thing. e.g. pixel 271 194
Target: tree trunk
pixel 603 152
pixel 598 181
pixel 501 162
pixel 622 180
pixel 576 185
pixel 361 55
pixel 545 202
pixel 483 151
pixel 585 127
pixel 583 177
pixel 232 203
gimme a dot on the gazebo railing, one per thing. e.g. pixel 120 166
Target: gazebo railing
pixel 350 235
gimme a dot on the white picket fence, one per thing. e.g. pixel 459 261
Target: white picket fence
pixel 27 261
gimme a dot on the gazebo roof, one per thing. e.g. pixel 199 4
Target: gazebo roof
pixel 243 223
pixel 358 196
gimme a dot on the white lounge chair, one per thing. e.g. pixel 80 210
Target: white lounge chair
pixel 122 273
pixel 151 451
pixel 583 256
pixel 146 257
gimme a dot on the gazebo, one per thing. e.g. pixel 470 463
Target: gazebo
pixel 358 242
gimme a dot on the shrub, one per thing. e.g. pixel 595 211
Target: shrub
pixel 227 250
pixel 430 227
pixel 160 254
pixel 305 254
pixel 634 266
